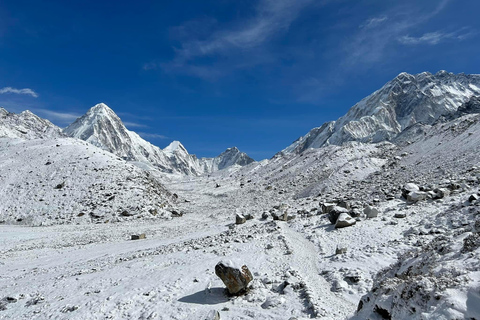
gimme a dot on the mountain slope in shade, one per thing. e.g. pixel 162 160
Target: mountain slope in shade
pixel 27 125
pixel 403 102
pixel 101 127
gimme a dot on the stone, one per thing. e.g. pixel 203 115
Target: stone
pixel 400 215
pixel 248 216
pixel 416 196
pixel 235 279
pixel 340 250
pixel 370 212
pixel 344 204
pixel 213 315
pixel 335 213
pixel 473 197
pixel 138 236
pixel 441 193
pixel 409 188
pixel 265 215
pixel 239 219
pixel 327 207
pixel 176 214
pixel 344 220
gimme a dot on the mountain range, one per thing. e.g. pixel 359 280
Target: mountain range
pixel 403 102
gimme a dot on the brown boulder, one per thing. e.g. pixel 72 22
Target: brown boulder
pixel 236 279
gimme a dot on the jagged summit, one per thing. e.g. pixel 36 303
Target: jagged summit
pixel 174 146
pixel 402 102
pixel 27 125
pixel 103 128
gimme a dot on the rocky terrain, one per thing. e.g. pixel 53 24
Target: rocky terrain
pixel 363 228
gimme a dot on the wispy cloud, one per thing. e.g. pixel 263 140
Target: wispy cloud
pixel 271 17
pixel 57 116
pixel 373 22
pixel 376 35
pixel 433 38
pixel 148 135
pixel 134 124
pixel 25 91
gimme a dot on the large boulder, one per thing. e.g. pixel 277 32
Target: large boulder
pixel 416 196
pixel 235 278
pixel 344 220
pixel 409 188
pixel 335 213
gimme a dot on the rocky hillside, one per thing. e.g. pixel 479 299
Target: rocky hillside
pixel 403 102
pixel 65 181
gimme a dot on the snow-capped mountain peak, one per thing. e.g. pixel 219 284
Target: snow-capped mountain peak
pixel 400 103
pixel 103 128
pixel 175 146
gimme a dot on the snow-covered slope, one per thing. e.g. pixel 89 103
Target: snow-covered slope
pixel 64 180
pixel 101 127
pixel 26 125
pixel 404 101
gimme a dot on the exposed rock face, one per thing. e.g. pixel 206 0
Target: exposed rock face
pixel 236 279
pixel 403 102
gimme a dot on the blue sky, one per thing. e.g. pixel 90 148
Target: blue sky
pixel 255 74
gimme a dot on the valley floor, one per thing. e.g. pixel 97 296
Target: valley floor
pixel 97 272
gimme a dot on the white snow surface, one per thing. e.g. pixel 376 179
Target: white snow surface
pixel 413 261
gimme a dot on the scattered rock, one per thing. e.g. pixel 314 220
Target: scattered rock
pixel 473 197
pixel 340 250
pixel 335 213
pixel 248 216
pixel 213 315
pixel 60 185
pixel 235 279
pixel 370 212
pixel 176 214
pixel 400 215
pixel 344 220
pixel 138 236
pixel 265 215
pixel 417 196
pixel 409 188
pixel 239 219
pixel 327 207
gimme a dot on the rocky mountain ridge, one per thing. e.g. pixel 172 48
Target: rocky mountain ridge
pixel 101 127
pixel 403 102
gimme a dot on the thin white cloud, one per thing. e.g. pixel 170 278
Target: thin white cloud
pixel 148 135
pixel 25 91
pixel 270 18
pixel 57 116
pixel 370 44
pixel 134 124
pixel 433 38
pixel 373 22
